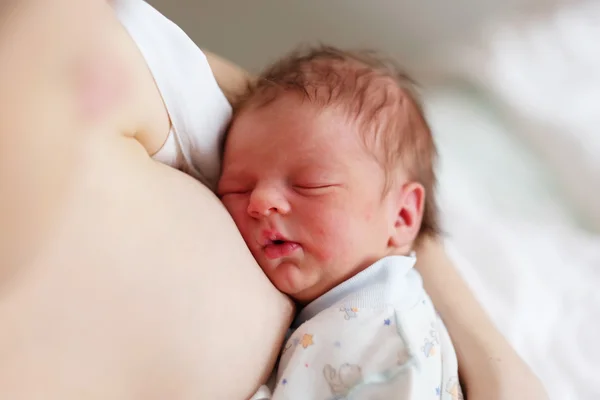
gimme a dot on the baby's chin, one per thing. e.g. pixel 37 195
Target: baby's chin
pixel 294 280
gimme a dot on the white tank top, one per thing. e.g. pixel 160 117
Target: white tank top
pixel 197 107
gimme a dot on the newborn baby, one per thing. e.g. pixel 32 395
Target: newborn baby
pixel 328 174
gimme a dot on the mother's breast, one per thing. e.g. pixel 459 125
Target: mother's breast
pixel 119 278
pixel 141 286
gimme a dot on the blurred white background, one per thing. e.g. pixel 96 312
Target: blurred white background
pixel 512 90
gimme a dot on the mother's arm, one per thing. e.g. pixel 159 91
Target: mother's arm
pixel 232 79
pixel 490 368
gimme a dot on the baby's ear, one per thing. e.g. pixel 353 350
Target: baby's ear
pixel 408 205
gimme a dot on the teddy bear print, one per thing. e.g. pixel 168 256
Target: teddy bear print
pixel 342 380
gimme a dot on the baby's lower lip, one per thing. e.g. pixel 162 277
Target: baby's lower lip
pixel 274 251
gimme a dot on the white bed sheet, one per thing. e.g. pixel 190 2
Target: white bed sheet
pixel 515 240
pixel 544 73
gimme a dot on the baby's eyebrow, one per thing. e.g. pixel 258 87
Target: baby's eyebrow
pixel 234 169
pixel 330 166
pixel 237 175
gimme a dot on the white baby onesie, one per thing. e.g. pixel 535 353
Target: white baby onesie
pixel 375 336
pixel 198 109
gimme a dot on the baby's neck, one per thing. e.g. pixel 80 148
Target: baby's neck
pixel 302 301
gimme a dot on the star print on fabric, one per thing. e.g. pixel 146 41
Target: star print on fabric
pixel 295 341
pixel 307 341
pixel 337 344
pixel 387 322
pixel 437 391
pixel 283 382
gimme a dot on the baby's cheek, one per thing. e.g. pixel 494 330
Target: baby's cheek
pixel 237 210
pixel 325 245
pixel 328 234
pixel 369 210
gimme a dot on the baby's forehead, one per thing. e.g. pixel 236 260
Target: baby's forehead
pixel 291 109
pixel 368 111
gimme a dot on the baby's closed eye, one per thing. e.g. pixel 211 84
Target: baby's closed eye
pixel 234 192
pixel 231 188
pixel 315 189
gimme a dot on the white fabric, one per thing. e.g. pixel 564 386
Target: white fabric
pixel 516 242
pixel 520 182
pixel 376 335
pixel 545 72
pixel 198 109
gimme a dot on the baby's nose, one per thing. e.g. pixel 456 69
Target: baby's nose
pixel 267 201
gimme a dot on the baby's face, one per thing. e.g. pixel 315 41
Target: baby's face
pixel 306 195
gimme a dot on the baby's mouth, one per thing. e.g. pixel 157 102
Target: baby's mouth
pixel 275 242
pixel 272 237
pixel 279 248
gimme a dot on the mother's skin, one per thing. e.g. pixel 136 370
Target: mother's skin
pixel 123 279
pixel 120 278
